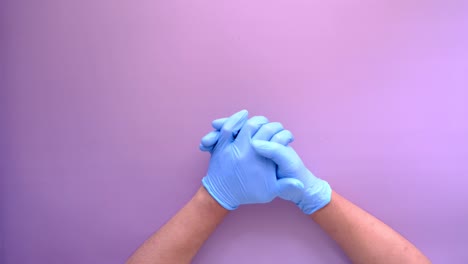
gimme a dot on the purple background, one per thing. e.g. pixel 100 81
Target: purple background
pixel 103 104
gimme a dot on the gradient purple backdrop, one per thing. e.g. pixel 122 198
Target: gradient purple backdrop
pixel 103 104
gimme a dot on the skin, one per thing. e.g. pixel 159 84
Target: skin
pixel 180 239
pixel 363 237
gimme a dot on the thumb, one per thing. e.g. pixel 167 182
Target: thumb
pixel 272 150
pixel 290 189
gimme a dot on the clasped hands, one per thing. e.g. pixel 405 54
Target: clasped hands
pixel 252 162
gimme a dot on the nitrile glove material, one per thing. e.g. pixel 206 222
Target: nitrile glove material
pixel 237 174
pixel 316 193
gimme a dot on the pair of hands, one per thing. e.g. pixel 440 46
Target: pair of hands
pixel 251 162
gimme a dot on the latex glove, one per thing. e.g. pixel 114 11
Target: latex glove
pixel 316 192
pixel 208 142
pixel 237 174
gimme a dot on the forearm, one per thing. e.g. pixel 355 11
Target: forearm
pixel 364 238
pixel 180 239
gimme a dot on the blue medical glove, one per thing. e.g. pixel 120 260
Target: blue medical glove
pixel 209 141
pixel 237 174
pixel 316 192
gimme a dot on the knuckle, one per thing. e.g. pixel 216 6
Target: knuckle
pixel 276 125
pixel 256 121
pixel 226 130
pixel 251 125
pixel 266 129
pixel 278 137
pixel 272 127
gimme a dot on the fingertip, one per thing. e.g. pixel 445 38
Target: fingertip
pixel 284 137
pixel 241 114
pixel 234 123
pixel 244 111
pixel 298 184
pixel 291 140
pixel 268 131
pixel 291 137
pixel 203 148
pixel 251 126
pixel 210 138
pixel 218 123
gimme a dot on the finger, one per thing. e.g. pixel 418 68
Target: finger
pixel 232 126
pixel 210 139
pixel 205 149
pixel 280 154
pixel 267 131
pixel 251 127
pixel 284 137
pixel 218 123
pixel 290 189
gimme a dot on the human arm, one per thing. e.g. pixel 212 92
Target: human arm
pixel 363 237
pixel 236 175
pixel 180 239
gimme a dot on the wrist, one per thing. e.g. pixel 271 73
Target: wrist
pixel 206 201
pixel 316 196
pixel 221 195
pixel 320 213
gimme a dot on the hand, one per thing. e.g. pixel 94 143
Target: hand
pixel 291 166
pixel 316 192
pixel 208 142
pixel 237 174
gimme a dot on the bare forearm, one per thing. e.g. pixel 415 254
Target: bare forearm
pixel 180 239
pixel 364 238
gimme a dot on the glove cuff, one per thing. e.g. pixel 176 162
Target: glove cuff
pixel 218 196
pixel 315 197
